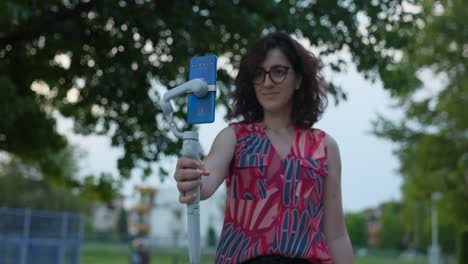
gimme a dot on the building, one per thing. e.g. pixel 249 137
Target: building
pixel 105 216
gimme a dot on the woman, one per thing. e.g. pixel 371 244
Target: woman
pixel 283 177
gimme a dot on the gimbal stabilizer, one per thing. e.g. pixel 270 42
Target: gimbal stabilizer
pixel 190 149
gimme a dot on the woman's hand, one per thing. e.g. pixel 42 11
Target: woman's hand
pixel 188 176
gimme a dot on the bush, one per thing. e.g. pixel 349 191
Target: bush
pixel 357 229
pixel 463 249
pixel 211 237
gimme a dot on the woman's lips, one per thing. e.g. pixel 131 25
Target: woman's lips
pixel 269 94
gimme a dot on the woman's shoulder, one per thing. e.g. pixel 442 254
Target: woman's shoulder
pixel 227 131
pixel 226 137
pixel 322 136
pixel 318 143
pixel 314 135
pixel 329 143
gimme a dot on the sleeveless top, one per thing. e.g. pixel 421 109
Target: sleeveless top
pixel 274 206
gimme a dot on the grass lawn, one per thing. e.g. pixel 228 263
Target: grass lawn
pixel 118 254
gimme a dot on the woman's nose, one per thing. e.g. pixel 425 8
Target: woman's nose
pixel 267 82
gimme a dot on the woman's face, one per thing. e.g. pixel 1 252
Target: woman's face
pixel 275 82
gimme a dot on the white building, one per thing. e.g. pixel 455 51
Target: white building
pixel 105 216
pixel 169 217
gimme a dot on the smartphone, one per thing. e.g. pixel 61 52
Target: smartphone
pixel 202 109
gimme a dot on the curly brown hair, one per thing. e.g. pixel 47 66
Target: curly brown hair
pixel 309 101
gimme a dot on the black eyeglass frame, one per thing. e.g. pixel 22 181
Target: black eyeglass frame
pixel 265 73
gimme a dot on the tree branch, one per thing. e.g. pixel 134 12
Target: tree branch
pixel 42 24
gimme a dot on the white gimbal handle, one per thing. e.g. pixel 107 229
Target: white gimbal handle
pixel 191 149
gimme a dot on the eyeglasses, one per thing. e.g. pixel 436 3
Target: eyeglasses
pixel 276 73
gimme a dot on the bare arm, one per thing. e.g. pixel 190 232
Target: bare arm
pixel 215 167
pixel 334 224
pixel 218 161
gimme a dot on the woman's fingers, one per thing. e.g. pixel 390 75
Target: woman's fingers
pixel 202 167
pixel 188 163
pixel 189 169
pixel 187 198
pixel 186 186
pixel 188 176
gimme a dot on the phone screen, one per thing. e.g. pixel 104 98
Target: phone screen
pixel 202 109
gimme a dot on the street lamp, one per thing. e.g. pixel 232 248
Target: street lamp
pixel 434 249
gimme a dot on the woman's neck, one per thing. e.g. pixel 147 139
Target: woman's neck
pixel 279 122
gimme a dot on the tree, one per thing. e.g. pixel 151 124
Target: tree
pixel 391 232
pixel 432 138
pixel 122 226
pixel 95 61
pixel 447 235
pixel 211 237
pixel 463 250
pixel 22 186
pixel 357 229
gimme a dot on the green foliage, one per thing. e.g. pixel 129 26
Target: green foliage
pixel 447 236
pixel 413 216
pixel 432 139
pixel 53 185
pixel 447 233
pixel 416 224
pixel 463 248
pixel 21 187
pixel 356 224
pixel 122 224
pixel 391 232
pixel 94 61
pixel 103 187
pixel 211 237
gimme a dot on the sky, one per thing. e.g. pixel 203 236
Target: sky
pixel 369 168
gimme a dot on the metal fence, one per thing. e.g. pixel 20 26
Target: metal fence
pixel 28 237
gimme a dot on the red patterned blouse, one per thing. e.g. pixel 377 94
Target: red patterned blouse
pixel 274 205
